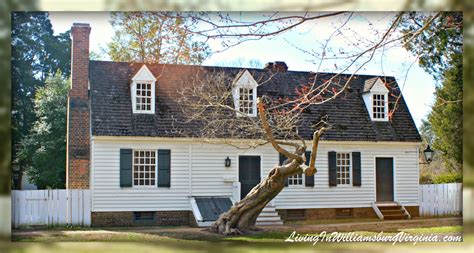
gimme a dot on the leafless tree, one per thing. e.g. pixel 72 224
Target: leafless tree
pixel 208 101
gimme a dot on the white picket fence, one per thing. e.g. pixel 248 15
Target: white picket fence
pixel 440 199
pixel 51 208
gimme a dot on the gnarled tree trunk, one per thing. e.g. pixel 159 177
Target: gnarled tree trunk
pixel 242 216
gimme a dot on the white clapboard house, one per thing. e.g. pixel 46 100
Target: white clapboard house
pixel 121 146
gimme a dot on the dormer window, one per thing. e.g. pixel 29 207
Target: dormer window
pixel 143 97
pixel 375 95
pixel 246 101
pixel 143 91
pixel 379 110
pixel 245 94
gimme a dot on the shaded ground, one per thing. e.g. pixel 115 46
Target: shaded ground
pixel 190 233
pixel 270 239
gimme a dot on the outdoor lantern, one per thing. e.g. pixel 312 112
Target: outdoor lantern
pixel 227 162
pixel 428 152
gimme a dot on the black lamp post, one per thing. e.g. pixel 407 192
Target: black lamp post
pixel 227 162
pixel 428 152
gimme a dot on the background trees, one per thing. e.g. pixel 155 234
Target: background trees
pixel 44 149
pixel 36 53
pixel 439 49
pixel 154 37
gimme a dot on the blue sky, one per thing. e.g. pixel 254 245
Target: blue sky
pixel 417 86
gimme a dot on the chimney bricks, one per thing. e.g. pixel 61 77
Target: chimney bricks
pixel 277 66
pixel 78 111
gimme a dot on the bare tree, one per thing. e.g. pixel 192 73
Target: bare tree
pixel 209 102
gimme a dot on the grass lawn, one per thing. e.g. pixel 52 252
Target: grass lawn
pixel 195 240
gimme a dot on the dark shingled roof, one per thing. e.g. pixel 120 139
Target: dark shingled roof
pixel 369 83
pixel 111 106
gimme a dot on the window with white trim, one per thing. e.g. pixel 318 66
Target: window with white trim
pixel 246 101
pixel 245 94
pixel 143 91
pixel 379 106
pixel 144 167
pixel 343 168
pixel 143 97
pixel 296 179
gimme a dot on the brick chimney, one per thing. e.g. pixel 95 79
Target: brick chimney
pixel 78 111
pixel 278 66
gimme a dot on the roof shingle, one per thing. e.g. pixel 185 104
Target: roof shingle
pixel 111 107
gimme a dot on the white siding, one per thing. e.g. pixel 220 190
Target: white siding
pixel 107 194
pixel 198 169
pixel 324 196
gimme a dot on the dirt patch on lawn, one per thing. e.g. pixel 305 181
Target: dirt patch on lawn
pixel 201 234
pixel 373 226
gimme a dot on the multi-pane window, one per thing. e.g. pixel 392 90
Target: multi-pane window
pixel 343 168
pixel 295 179
pixel 143 97
pixel 378 106
pixel 144 167
pixel 246 101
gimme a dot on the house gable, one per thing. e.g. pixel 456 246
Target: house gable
pixel 144 74
pixel 375 96
pixel 142 91
pixel 245 94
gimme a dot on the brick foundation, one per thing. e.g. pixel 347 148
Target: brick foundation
pixel 331 213
pixel 413 210
pixel 126 219
pixel 328 213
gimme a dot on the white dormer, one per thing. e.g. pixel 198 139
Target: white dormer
pixel 143 91
pixel 375 95
pixel 245 94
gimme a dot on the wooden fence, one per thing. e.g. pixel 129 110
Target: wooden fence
pixel 440 199
pixel 51 208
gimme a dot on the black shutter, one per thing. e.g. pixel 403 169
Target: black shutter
pixel 282 160
pixel 126 167
pixel 164 167
pixel 308 180
pixel 332 168
pixel 356 169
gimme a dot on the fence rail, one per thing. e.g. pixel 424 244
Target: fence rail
pixel 440 199
pixel 51 207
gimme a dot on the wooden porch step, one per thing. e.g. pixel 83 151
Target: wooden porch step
pixel 390 211
pixel 269 216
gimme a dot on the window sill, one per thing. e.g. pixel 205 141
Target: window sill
pixel 345 186
pixel 144 187
pixel 296 186
pixel 143 112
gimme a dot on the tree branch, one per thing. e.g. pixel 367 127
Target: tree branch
pixel 314 150
pixel 269 134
